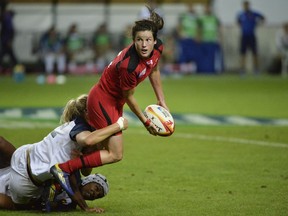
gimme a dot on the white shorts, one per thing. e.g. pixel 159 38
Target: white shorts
pixel 22 188
pixel 4 180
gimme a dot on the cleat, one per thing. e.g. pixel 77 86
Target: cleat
pixel 62 178
pixel 45 204
pixel 48 196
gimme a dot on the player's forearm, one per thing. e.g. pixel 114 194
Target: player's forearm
pixel 155 80
pixel 133 105
pixel 101 134
pixel 77 197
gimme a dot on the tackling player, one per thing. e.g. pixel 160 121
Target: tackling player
pixel 30 164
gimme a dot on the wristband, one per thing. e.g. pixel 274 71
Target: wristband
pixel 120 122
pixel 147 123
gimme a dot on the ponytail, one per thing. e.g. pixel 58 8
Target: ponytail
pixel 74 108
pixel 154 23
pixel 156 18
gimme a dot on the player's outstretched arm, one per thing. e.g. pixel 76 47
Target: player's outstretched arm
pixel 155 80
pixel 87 138
pixel 133 105
pixel 78 198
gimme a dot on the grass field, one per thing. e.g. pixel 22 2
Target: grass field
pixel 201 169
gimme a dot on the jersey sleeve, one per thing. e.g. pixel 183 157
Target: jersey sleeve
pixel 80 125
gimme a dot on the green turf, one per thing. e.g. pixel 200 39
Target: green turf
pixel 200 170
pixel 262 96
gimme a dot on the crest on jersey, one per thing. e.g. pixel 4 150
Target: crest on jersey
pixel 150 62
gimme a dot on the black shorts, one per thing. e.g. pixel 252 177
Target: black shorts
pixel 248 42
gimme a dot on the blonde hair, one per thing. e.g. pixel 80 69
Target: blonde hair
pixel 74 108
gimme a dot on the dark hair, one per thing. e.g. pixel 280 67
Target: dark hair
pixel 154 23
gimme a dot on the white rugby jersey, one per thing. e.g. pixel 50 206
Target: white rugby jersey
pixel 4 180
pixel 56 147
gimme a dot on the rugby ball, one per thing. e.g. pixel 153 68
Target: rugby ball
pixel 161 118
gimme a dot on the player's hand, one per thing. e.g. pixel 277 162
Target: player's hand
pixel 123 123
pixel 151 127
pixel 95 210
pixel 163 104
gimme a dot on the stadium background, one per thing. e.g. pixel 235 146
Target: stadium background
pixel 32 19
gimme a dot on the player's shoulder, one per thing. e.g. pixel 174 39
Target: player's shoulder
pixel 130 60
pixel 79 126
pixel 80 122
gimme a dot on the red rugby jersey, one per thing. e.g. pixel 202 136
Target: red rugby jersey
pixel 127 70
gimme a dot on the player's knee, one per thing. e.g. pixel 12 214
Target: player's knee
pixel 117 157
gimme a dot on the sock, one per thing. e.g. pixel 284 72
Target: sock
pixel 86 161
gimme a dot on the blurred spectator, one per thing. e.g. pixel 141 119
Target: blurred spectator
pixel 248 20
pixel 101 43
pixel 125 37
pixel 282 47
pixel 7 37
pixel 74 46
pixel 169 54
pixel 52 52
pixel 188 24
pixel 210 26
pixel 211 37
pixel 188 38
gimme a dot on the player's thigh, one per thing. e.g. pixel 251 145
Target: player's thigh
pixel 102 109
pixel 115 144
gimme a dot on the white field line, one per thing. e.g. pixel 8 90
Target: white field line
pixel 16 124
pixel 228 139
pixel 231 140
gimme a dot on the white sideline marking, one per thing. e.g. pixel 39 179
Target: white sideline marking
pixel 230 139
pixel 16 124
pixel 239 120
pixel 201 119
pixel 8 124
pixel 226 139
